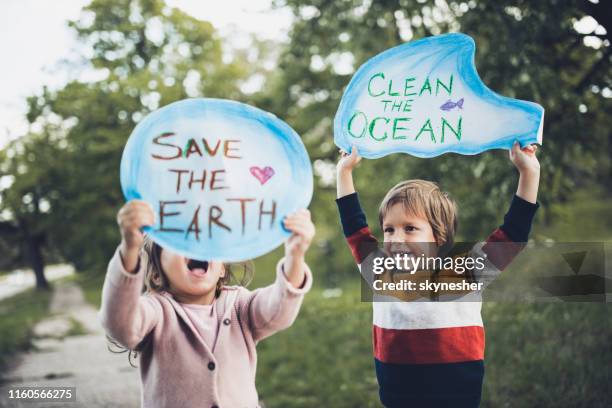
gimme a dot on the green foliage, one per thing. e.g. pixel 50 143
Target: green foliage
pixel 148 55
pixel 520 53
pixel 324 359
pixel 535 353
pixel 91 284
pixel 542 354
pixel 65 174
pixel 585 217
pixel 34 167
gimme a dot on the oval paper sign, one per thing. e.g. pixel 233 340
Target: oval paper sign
pixel 425 98
pixel 220 175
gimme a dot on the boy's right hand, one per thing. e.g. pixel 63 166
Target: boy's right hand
pixel 348 161
pixel 131 218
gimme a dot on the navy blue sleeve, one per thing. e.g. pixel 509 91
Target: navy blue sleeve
pixel 351 214
pixel 518 219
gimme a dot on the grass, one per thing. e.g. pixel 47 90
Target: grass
pixel 587 217
pixel 18 315
pixel 553 354
pixel 547 355
pixel 537 354
pixel 324 359
pixel 76 328
pixel 91 284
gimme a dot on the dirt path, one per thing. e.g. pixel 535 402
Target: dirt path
pixel 101 378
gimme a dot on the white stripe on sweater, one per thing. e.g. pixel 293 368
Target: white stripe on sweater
pixel 426 315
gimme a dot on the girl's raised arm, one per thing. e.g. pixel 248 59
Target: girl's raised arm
pixel 275 307
pixel 126 315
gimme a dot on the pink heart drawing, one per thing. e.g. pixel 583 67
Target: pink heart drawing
pixel 263 175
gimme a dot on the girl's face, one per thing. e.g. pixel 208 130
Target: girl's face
pixel 191 281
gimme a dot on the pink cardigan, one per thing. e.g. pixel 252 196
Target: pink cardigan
pixel 177 368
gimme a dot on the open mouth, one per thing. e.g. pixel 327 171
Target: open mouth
pixel 198 268
pixel 402 251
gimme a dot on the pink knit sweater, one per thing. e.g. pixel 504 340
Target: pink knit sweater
pixel 177 368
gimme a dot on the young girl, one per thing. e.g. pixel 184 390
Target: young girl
pixel 196 337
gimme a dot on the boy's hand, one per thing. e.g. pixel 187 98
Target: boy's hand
pixel 347 161
pixel 524 159
pixel 344 172
pixel 131 218
pixel 303 230
pixel 528 166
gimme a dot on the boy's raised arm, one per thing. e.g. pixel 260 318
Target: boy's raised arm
pixel 510 238
pixel 354 223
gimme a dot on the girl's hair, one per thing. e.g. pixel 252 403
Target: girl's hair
pixel 155 280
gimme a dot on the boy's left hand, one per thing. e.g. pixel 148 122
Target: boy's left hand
pixel 303 230
pixel 524 159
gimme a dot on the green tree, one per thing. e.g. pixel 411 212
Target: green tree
pixel 27 218
pixel 527 50
pixel 145 55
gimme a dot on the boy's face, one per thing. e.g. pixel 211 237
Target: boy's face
pixel 190 280
pixel 402 227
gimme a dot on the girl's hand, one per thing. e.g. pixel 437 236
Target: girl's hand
pixel 347 161
pixel 525 159
pixel 131 218
pixel 300 224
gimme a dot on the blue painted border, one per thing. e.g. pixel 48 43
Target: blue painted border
pixel 291 141
pixel 467 71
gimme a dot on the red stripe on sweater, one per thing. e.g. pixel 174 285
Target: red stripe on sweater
pixel 500 249
pixel 429 346
pixel 362 242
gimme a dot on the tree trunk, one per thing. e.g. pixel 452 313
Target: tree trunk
pixel 35 259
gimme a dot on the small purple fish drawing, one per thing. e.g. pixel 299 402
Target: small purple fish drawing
pixel 450 105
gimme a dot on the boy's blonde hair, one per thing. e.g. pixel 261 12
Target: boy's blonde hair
pixel 425 199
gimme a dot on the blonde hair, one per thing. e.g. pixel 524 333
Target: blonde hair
pixel 424 198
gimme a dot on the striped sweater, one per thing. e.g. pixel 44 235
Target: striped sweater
pixel 431 354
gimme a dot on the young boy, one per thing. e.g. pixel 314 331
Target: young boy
pixel 431 354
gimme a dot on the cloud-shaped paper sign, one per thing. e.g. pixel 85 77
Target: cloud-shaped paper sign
pixel 425 98
pixel 220 175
